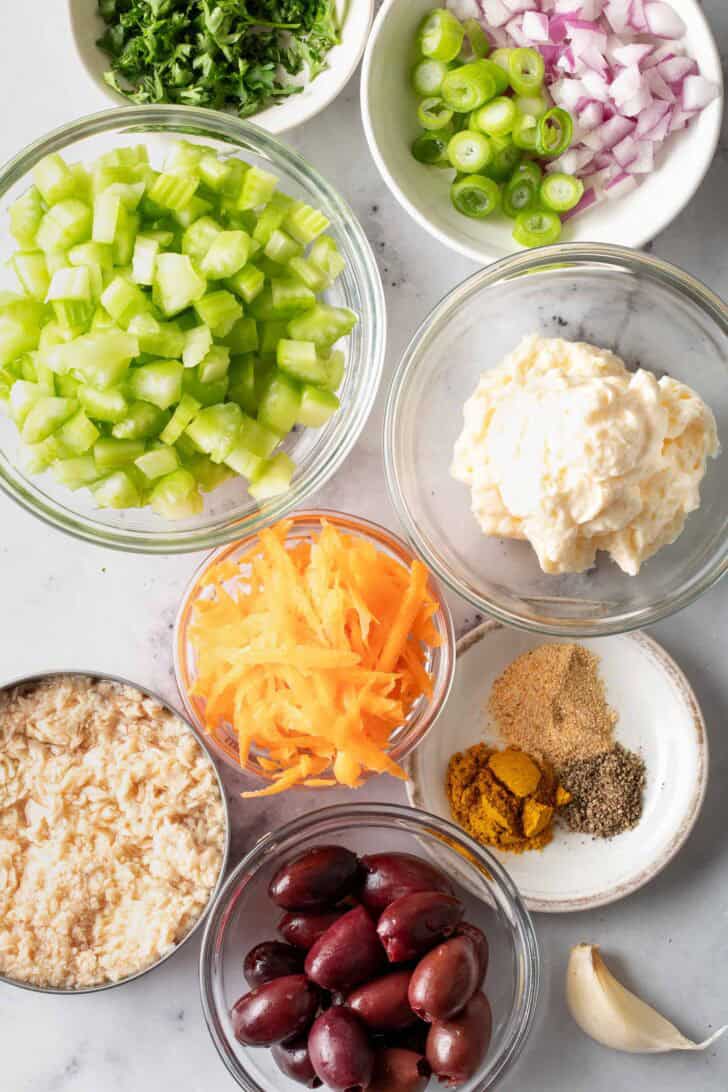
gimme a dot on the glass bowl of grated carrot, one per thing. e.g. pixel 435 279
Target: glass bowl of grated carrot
pixel 317 652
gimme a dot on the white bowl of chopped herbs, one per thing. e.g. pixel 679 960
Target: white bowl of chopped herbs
pixel 281 61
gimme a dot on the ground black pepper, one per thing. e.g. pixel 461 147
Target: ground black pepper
pixel 606 792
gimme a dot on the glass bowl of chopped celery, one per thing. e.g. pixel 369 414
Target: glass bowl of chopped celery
pixel 192 329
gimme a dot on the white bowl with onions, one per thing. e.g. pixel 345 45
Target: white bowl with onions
pixel 641 79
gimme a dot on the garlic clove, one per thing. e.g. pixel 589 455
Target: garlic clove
pixel 614 1016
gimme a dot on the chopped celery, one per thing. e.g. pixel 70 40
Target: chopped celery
pixel 281 247
pixel 228 253
pixel 53 179
pixel 215 429
pixel 102 357
pixel 291 296
pixel 242 383
pixel 247 283
pixel 64 224
pixel 78 434
pixel 108 405
pixel 272 330
pixel 144 259
pixel 158 462
pixel 243 338
pixel 71 283
pixel 107 212
pixel 243 461
pixel 38 457
pixel 208 394
pixel 218 310
pixel 199 237
pixel 316 407
pixel 274 477
pixel 158 338
pixel 118 490
pixel 110 452
pixel 15 338
pixel 142 422
pixel 96 254
pixel 280 403
pixel 31 269
pixel 299 360
pixel 198 342
pixel 257 438
pixel 310 274
pixel 215 364
pixel 176 496
pixel 46 415
pixel 185 411
pixel 124 300
pixel 23 396
pixel 207 474
pixel 305 223
pixel 159 382
pixel 173 191
pixel 257 189
pixel 176 284
pixel 78 471
pixel 322 324
pixel 25 217
pixel 335 364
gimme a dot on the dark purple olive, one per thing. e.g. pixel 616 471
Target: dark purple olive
pixel 413 1038
pixel 293 1060
pixel 348 953
pixel 445 979
pixel 316 879
pixel 382 1003
pixel 465 929
pixel 340 1051
pixel 270 960
pixel 303 930
pixel 275 1011
pixel 390 876
pixel 457 1047
pixel 410 926
pixel 397 1070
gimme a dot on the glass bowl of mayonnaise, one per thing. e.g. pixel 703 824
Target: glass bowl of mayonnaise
pixel 552 439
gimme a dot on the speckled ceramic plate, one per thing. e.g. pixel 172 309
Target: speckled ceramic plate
pixel 659 717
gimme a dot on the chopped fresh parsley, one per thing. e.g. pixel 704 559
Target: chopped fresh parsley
pixel 238 55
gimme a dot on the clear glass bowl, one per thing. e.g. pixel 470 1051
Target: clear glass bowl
pixel 229 511
pixel 440 663
pixel 243 916
pixel 649 313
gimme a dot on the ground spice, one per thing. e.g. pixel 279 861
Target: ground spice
pixel 551 702
pixel 504 798
pixel 606 792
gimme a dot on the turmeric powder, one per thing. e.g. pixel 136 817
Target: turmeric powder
pixel 505 799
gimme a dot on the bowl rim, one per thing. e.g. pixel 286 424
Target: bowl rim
pixel 280 117
pixel 347 522
pixel 483 252
pixel 105 676
pixel 214 125
pixel 416 822
pixel 544 258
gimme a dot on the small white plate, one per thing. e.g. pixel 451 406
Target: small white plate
pixel 659 717
pixel 356 20
pixel 390 123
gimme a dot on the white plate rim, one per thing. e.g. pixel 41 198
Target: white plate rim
pixel 652 868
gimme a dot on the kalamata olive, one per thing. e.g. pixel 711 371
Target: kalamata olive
pixel 277 1010
pixel 293 1060
pixel 303 930
pixel 397 1070
pixel 382 1003
pixel 445 979
pixel 390 876
pixel 347 954
pixel 410 926
pixel 480 940
pixel 456 1047
pixel 340 1050
pixel 270 960
pixel 316 879
pixel 413 1038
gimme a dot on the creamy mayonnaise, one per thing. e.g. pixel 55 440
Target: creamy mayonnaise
pixel 564 447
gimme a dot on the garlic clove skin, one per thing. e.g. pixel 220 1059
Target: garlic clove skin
pixel 614 1016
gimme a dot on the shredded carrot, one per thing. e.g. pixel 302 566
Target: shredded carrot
pixel 313 653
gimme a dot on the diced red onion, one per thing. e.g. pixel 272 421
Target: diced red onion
pixel 536 26
pixel 637 17
pixel 675 69
pixel 633 53
pixel 658 134
pixel 650 117
pixel 495 11
pixel 617 15
pixel 588 198
pixel 465 9
pixel 657 86
pixel 634 106
pixel 515 29
pixel 516 6
pixel 614 130
pixel 680 119
pixel 697 92
pixel 557 28
pixel 663 21
pixel 626 85
pixel 620 185
pixel 596 86
pixel 572 161
pixel 644 161
pixel 662 53
pixel 626 151
pixel 590 116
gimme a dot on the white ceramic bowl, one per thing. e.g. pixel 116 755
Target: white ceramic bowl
pixel 388 109
pixel 356 19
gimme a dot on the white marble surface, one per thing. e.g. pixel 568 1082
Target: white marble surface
pixel 70 604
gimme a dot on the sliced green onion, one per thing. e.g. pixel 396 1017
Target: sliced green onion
pixel 496 118
pixel 500 78
pixel 433 114
pixel 555 130
pixel 477 38
pixel 560 192
pixel 469 152
pixel 525 70
pixel 431 147
pixel 530 169
pixel 505 158
pixel 519 193
pixel 427 76
pixel 475 196
pixel 537 227
pixel 535 105
pixel 501 57
pixel 468 87
pixel 441 35
pixel 525 132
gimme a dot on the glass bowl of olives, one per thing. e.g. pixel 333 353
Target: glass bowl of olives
pixel 369 946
